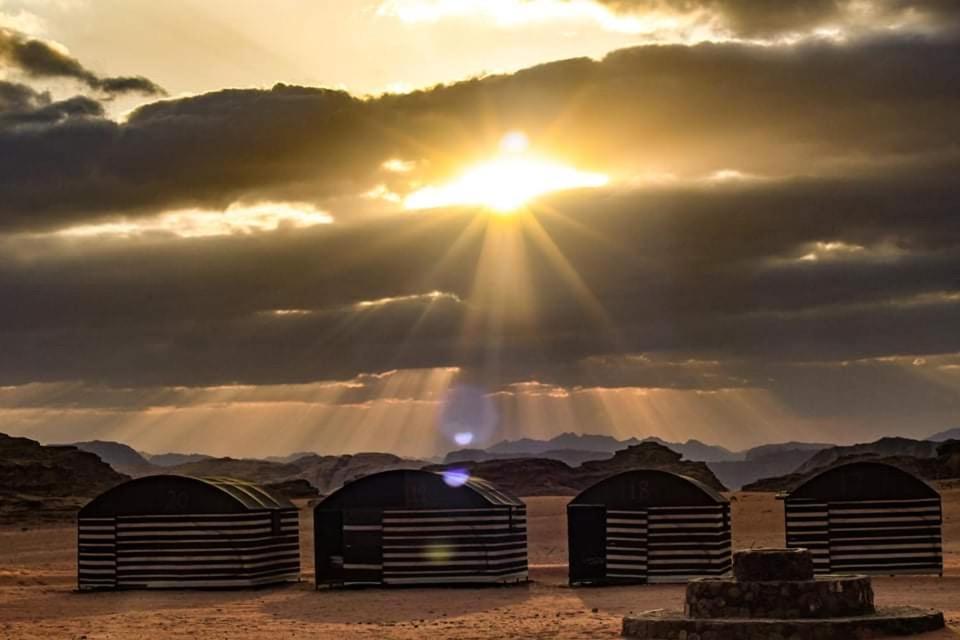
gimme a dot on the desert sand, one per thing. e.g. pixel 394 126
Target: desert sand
pixel 37 598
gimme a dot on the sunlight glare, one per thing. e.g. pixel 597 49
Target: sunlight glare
pixel 507 182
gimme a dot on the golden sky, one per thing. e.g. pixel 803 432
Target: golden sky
pixel 383 224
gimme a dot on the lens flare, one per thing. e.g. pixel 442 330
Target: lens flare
pixel 463 438
pixel 456 477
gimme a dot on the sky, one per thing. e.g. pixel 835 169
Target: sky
pixel 415 225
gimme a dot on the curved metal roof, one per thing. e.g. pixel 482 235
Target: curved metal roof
pixel 418 489
pixel 180 494
pixel 649 487
pixel 862 480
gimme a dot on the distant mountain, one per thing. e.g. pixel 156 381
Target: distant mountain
pixel 530 476
pixel 691 449
pixel 949 434
pixel 943 464
pixel 121 457
pixel 174 459
pixel 572 457
pixel 328 473
pixel 325 473
pixel 776 462
pixel 765 450
pixel 291 457
pixel 257 471
pixel 40 482
pixel 884 447
pixel 292 489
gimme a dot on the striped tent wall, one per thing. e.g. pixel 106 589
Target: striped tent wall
pixel 97 553
pixel 808 527
pixel 468 545
pixel 677 530
pixel 868 536
pixel 252 541
pixel 627 545
pixel 688 542
pixel 410 527
pixel 668 544
pixel 867 517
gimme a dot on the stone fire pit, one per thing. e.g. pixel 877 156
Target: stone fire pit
pixel 774 594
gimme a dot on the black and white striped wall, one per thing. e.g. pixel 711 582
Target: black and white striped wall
pixel 647 526
pixel 867 517
pixel 410 527
pixel 128 538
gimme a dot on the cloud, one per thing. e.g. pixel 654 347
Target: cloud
pixel 762 20
pixel 712 271
pixel 690 111
pixel 39 59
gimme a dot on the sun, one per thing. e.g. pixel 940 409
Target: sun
pixel 504 184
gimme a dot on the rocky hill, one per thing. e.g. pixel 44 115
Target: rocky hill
pixel 572 457
pixel 121 457
pixel 325 473
pixel 943 436
pixel 257 471
pixel 328 473
pixel 40 482
pixel 945 464
pixel 776 462
pixel 767 450
pixel 540 476
pixel 884 447
pixel 174 459
pixel 527 447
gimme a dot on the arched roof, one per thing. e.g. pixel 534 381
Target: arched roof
pixel 863 481
pixel 417 489
pixel 641 488
pixel 173 494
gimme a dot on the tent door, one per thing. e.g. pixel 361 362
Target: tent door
pixel 328 546
pixel 587 542
pixel 363 546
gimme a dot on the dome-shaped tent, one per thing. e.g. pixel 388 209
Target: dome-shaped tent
pixel 169 531
pixel 866 517
pixel 419 527
pixel 647 525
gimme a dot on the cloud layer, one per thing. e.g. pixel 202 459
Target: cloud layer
pixel 778 246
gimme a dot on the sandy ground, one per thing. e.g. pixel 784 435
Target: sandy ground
pixel 37 578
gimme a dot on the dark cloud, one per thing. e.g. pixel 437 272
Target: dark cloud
pixel 39 59
pixel 811 109
pixel 796 270
pixel 759 19
pixel 20 97
pixel 53 112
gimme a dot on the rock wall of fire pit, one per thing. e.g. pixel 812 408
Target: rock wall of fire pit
pixel 762 565
pixel 838 596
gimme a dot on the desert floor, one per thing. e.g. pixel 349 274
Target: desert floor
pixel 37 600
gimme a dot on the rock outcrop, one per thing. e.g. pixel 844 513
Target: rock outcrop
pixel 40 483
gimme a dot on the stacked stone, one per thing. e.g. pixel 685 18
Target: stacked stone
pixel 758 592
pixel 774 594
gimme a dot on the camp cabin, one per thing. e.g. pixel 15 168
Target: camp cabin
pixel 866 517
pixel 407 527
pixel 647 525
pixel 171 531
